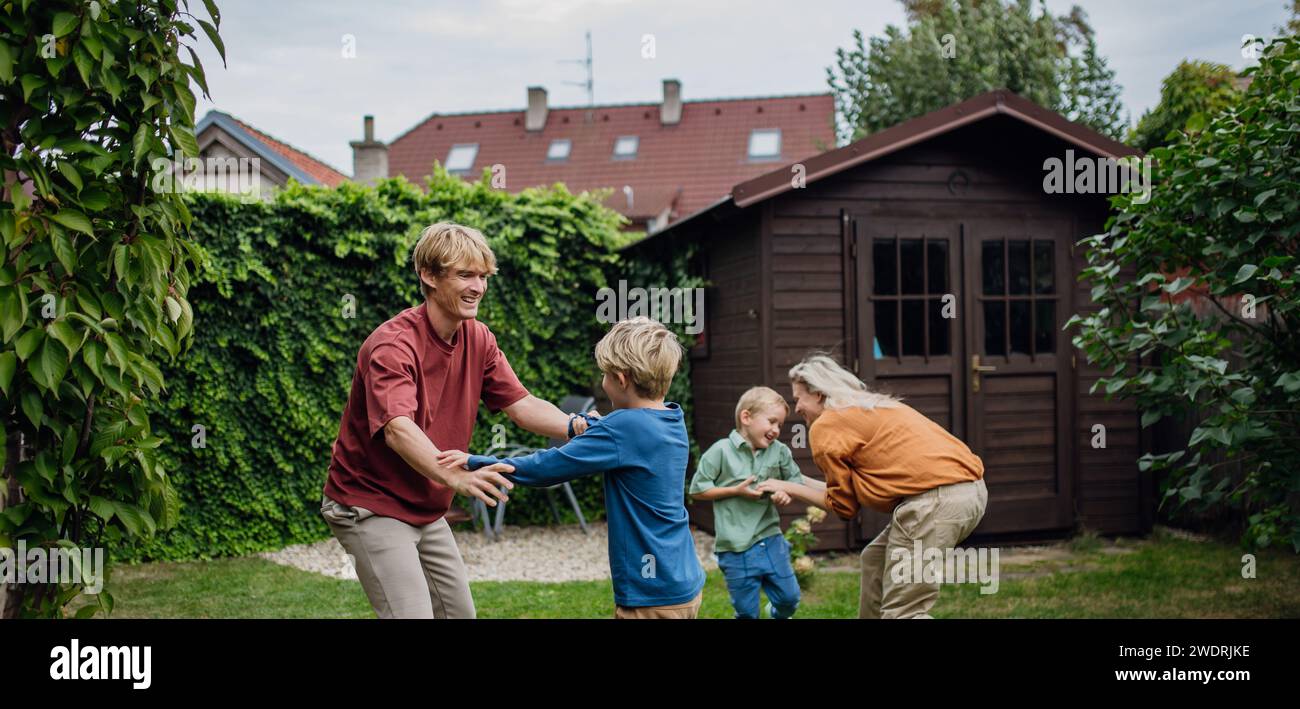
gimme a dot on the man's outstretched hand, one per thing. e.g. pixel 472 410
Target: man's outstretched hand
pixel 484 484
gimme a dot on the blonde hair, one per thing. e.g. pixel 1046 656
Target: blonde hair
pixel 444 245
pixel 646 351
pixel 820 374
pixel 758 398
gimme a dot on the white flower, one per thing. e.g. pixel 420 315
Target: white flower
pixel 804 564
pixel 816 514
pixel 801 526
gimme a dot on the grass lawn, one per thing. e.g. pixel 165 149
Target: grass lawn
pixel 1159 577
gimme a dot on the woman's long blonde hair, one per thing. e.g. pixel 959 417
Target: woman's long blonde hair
pixel 820 374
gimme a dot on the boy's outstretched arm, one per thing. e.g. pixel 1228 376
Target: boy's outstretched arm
pixel 595 451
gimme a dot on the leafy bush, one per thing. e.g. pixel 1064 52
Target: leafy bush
pixel 275 300
pixel 94 270
pixel 1208 328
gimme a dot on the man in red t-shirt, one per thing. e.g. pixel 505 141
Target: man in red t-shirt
pixel 415 392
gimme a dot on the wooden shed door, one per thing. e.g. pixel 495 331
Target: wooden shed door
pixel 935 299
pixel 1018 393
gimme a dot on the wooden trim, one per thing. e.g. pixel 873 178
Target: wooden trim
pixel 765 290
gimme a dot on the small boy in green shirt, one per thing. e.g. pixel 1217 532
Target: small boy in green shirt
pixel 752 552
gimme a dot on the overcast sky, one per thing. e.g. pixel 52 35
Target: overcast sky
pixel 288 75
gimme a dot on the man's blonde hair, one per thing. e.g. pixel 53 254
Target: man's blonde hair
pixel 444 245
pixel 758 398
pixel 646 351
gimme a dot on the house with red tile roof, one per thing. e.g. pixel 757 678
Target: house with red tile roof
pixel 221 136
pixel 662 161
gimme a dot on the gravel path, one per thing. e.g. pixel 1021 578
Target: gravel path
pixel 554 553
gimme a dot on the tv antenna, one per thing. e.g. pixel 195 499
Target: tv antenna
pixel 589 84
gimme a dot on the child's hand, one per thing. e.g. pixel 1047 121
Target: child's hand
pixel 453 459
pixel 781 498
pixel 498 468
pixel 742 489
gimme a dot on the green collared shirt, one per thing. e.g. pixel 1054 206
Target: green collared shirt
pixel 739 522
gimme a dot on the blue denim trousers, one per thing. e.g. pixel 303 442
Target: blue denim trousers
pixel 766 566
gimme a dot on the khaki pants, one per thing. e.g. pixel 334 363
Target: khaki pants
pixel 940 519
pixel 682 611
pixel 406 571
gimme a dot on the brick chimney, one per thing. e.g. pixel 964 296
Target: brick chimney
pixel 369 156
pixel 535 119
pixel 670 111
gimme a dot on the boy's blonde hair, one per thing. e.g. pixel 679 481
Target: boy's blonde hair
pixel 646 351
pixel 758 398
pixel 444 245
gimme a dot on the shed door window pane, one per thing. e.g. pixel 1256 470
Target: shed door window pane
pixel 991 265
pixel 1021 328
pixel 1018 267
pixel 913 268
pixel 939 329
pixel 1044 326
pixel 913 328
pixel 887 327
pixel 937 265
pixel 1044 271
pixel 995 328
pixel 884 275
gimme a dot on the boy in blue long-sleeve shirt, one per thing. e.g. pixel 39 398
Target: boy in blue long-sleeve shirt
pixel 643 450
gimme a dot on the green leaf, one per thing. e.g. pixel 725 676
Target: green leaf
pixel 65 251
pixel 50 364
pixel 32 406
pixel 184 138
pixel 70 173
pixel 93 356
pixel 1196 123
pixel 1207 162
pixel 85 64
pixel 1245 273
pixel 62 331
pixel 8 364
pixel 64 22
pixel 12 316
pixel 6 63
pixel 215 38
pixel 28 342
pixel 31 82
pixel 74 220
pixel 117 348
pixel 140 143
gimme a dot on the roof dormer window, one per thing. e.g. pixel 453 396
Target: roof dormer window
pixel 625 147
pixel 765 144
pixel 559 150
pixel 461 157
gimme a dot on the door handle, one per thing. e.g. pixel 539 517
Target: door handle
pixel 976 368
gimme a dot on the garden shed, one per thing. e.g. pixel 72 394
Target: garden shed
pixel 930 259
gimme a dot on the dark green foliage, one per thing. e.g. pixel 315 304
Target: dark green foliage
pixel 269 378
pixel 1210 326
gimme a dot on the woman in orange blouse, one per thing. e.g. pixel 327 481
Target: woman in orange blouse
pixel 878 452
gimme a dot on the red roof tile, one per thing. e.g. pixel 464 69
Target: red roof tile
pixel 704 155
pixel 317 169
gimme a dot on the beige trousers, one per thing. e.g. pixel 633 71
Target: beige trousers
pixel 940 519
pixel 406 571
pixel 681 611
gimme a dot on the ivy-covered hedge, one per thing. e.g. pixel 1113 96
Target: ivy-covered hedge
pixel 275 349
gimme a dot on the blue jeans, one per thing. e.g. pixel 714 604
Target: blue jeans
pixel 764 565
